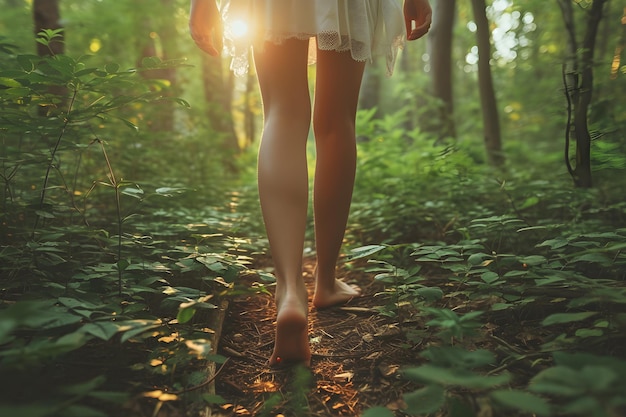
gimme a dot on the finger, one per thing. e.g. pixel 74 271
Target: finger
pixel 208 48
pixel 205 43
pixel 416 31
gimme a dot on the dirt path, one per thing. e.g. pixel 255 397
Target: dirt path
pixel 356 357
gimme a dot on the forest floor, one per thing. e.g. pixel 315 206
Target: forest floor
pixel 358 353
pixel 356 356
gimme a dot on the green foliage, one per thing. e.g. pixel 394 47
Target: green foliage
pixel 96 268
pixel 522 248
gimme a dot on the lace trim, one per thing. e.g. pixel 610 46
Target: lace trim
pixel 326 41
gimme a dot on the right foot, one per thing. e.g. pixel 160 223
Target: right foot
pixel 340 294
pixel 292 334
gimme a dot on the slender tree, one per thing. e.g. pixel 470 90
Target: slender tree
pixel 158 37
pixel 578 83
pixel 46 15
pixel 440 45
pixel 491 120
pixel 218 98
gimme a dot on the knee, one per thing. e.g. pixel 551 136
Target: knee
pixel 333 126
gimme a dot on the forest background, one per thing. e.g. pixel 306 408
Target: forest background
pixel 495 156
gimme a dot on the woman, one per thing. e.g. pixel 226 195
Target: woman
pixel 347 33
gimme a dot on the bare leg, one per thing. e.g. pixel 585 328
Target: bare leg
pixel 336 97
pixel 283 187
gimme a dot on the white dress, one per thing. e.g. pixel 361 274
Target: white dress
pixel 366 28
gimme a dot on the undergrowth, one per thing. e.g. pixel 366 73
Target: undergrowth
pixel 107 271
pixel 476 256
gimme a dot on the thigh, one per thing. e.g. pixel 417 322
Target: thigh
pixel 282 74
pixel 337 85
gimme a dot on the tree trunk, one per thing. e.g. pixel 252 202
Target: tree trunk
pixel 159 36
pixel 440 43
pixel 491 121
pixel 46 16
pixel 162 118
pixel 583 138
pixel 621 45
pixel 217 96
pixel 578 83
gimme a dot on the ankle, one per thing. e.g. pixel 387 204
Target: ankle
pixel 325 278
pixel 293 293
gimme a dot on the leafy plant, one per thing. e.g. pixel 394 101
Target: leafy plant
pixel 103 278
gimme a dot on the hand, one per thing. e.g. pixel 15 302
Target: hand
pixel 417 18
pixel 205 25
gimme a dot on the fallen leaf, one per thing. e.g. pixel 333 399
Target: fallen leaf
pixel 372 356
pixel 388 330
pixel 168 397
pixel 345 376
pixel 368 338
pixel 160 395
pixel 388 370
pixel 153 394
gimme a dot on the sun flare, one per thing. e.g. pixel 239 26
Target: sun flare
pixel 239 28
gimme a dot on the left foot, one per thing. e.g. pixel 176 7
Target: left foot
pixel 340 294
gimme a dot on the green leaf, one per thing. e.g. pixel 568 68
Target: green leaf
pixel 425 400
pixel 9 82
pixel 478 258
pixel 72 303
pixel 454 377
pixel 214 399
pixel 169 191
pixel 597 258
pixel 584 333
pixel 581 360
pixel 112 68
pixel 560 318
pixel 489 277
pixel 522 401
pixel 500 306
pixel 185 314
pixel 26 61
pixel 134 192
pixel 132 328
pixel 102 330
pixel 599 378
pixel 430 293
pixel 122 264
pixel 529 202
pixel 533 260
pixel 365 251
pixel 586 406
pixel 554 243
pixel 457 357
pixel 557 380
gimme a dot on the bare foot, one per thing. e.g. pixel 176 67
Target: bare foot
pixel 340 294
pixel 292 334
